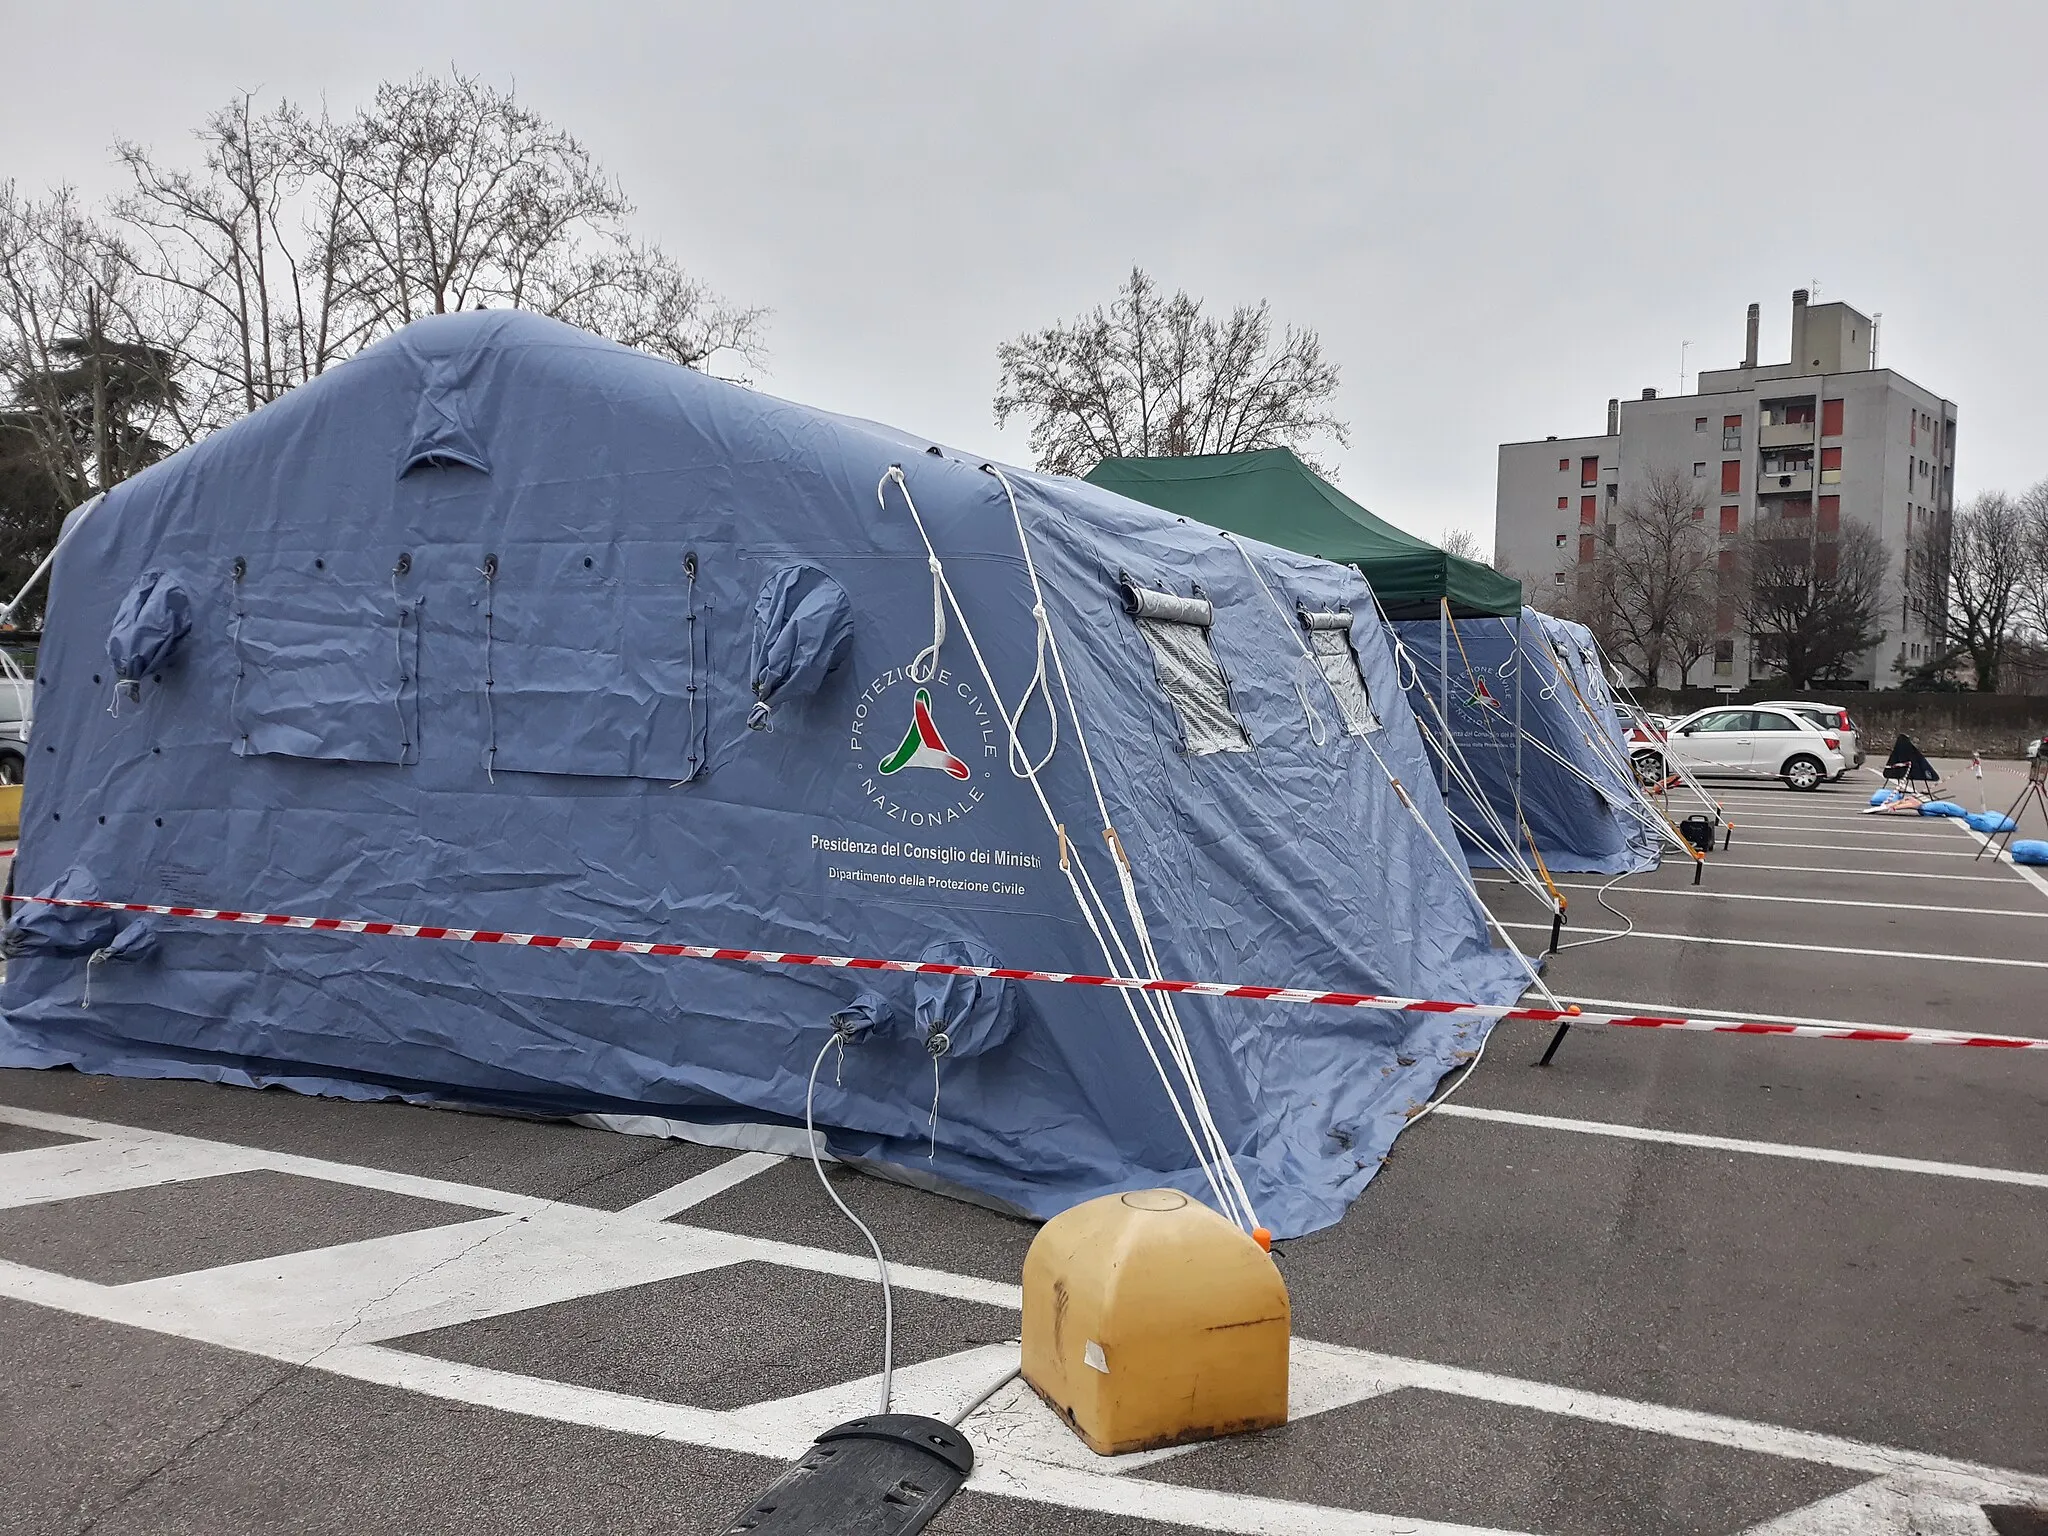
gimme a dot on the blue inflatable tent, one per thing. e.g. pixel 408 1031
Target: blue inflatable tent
pixel 1540 740
pixel 501 626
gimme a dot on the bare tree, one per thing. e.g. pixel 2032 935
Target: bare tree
pixel 1971 583
pixel 1651 585
pixel 2033 595
pixel 1465 545
pixel 1152 376
pixel 1810 601
pixel 300 239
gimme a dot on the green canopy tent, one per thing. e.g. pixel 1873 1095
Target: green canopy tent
pixel 1273 496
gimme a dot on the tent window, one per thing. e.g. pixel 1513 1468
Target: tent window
pixel 325 669
pixel 1177 630
pixel 598 663
pixel 1329 641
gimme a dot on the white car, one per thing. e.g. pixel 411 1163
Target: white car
pixel 1831 718
pixel 1763 741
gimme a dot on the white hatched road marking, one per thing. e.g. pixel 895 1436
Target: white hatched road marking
pixel 325 1307
pixel 1792 1150
pixel 696 1190
pixel 1810 949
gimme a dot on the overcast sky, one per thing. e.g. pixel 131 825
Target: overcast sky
pixel 1496 215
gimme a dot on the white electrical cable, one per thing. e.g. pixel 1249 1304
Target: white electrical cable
pixel 994 1387
pixel 1601 897
pixel 881 1264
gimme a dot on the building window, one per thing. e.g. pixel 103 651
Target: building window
pixel 1589 470
pixel 1588 507
pixel 1731 434
pixel 1613 491
pixel 1557 580
pixel 1731 476
pixel 1563 465
pixel 1699 423
pixel 1831 466
pixel 1831 418
pixel 1699 514
pixel 1561 538
pixel 1728 519
pixel 1563 502
pixel 1586 550
pixel 1699 471
pixel 1830 516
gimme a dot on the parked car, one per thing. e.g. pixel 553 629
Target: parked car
pixel 1831 718
pixel 1768 741
pixel 15 704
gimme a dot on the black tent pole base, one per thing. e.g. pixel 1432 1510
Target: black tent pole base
pixel 1556 928
pixel 1699 868
pixel 1556 1040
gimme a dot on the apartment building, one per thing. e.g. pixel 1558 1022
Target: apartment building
pixel 1825 435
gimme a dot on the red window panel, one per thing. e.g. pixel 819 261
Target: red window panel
pixel 1563 502
pixel 1728 517
pixel 1731 421
pixel 1589 470
pixel 1699 514
pixel 1797 508
pixel 1831 458
pixel 1831 418
pixel 1724 617
pixel 1586 542
pixel 1589 507
pixel 1830 514
pixel 1825 559
pixel 1726 562
pixel 1731 476
pixel 1563 465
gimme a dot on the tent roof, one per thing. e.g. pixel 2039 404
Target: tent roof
pixel 1272 495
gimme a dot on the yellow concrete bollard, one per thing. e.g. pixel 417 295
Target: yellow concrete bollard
pixel 1149 1320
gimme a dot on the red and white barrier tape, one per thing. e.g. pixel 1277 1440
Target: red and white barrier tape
pixel 1127 983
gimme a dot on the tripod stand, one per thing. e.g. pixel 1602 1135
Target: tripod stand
pixel 2034 792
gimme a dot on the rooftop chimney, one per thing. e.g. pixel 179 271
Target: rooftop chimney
pixel 1649 394
pixel 1749 342
pixel 1799 330
pixel 1613 418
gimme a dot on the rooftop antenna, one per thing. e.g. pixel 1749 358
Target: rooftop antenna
pixel 1683 348
pixel 1813 287
pixel 1876 320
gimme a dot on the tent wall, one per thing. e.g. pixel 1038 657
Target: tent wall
pixel 1585 817
pixel 476 625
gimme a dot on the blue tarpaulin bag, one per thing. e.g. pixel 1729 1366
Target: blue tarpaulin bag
pixel 1989 822
pixel 2029 850
pixel 1942 808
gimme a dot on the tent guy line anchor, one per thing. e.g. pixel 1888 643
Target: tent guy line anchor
pixel 1571 1014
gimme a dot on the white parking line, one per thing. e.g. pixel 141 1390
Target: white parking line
pixel 1811 949
pixel 1870 847
pixel 2031 876
pixel 1793 1150
pixel 1808 901
pixel 1870 874
pixel 1022 1452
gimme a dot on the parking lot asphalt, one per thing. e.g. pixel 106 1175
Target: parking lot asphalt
pixel 1671 1283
